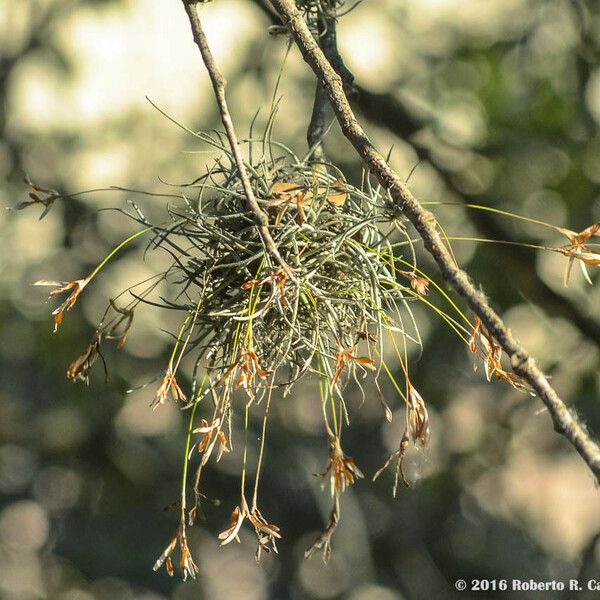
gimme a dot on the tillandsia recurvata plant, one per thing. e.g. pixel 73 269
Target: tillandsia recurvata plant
pixel 282 270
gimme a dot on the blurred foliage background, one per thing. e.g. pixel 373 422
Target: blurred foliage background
pixel 498 103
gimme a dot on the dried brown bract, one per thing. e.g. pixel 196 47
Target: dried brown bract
pixel 341 472
pixel 80 367
pixel 344 357
pixel 249 366
pixel 236 519
pixel 168 385
pixel 481 339
pixel 266 533
pixel 119 330
pixel 341 469
pixel 75 287
pixel 419 284
pixel 186 563
pixel 211 436
pixel 47 200
pixel 418 417
pixel 416 427
pixel 577 250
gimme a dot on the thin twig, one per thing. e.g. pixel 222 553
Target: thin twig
pixel 321 107
pixel 318 124
pixel 565 421
pixel 218 83
pixel 317 128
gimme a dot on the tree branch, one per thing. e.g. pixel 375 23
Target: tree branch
pixel 218 83
pixel 327 41
pixel 565 422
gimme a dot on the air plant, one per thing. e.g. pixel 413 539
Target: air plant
pixel 338 296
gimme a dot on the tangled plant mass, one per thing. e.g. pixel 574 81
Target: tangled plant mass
pixel 247 327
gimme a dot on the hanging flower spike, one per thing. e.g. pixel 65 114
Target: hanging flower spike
pixel 76 286
pixel 186 564
pixel 418 417
pixel 211 434
pixel 168 384
pixel 342 472
pixel 206 430
pixel 237 518
pixel 417 429
pixel 125 320
pixel 249 365
pixel 265 532
pixel 80 367
pixel 577 250
pixel 419 284
pixel 492 358
pixel 345 356
pixel 493 355
pixel 262 373
pixel 47 201
pixel 341 469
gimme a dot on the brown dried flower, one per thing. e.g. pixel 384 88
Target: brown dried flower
pixel 492 355
pixel 80 367
pixel 76 286
pixel 249 366
pixel 168 384
pixel 416 428
pixel 341 469
pixel 345 356
pixel 577 250
pixel 418 417
pixel 186 564
pixel 50 196
pixel 120 329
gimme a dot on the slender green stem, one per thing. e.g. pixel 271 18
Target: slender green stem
pixel 498 211
pixel 262 444
pixel 179 336
pixel 186 459
pixel 245 458
pixel 117 248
